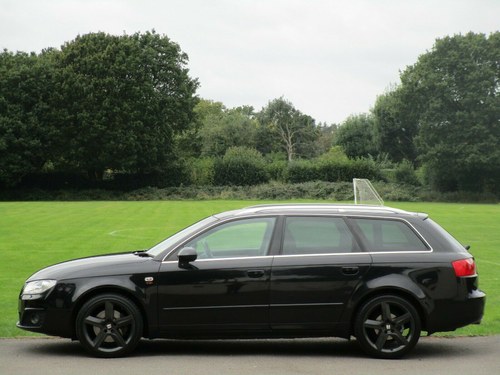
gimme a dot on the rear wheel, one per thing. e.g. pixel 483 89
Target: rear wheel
pixel 387 327
pixel 109 325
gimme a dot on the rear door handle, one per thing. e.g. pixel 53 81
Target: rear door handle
pixel 351 270
pixel 254 274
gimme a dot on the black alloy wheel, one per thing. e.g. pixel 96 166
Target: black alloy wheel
pixel 109 325
pixel 387 327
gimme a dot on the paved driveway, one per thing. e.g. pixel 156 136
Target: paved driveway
pixel 470 355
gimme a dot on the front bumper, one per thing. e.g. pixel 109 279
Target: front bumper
pixel 48 313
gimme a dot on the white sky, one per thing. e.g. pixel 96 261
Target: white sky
pixel 329 58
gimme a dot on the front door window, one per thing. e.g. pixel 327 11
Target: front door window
pixel 241 238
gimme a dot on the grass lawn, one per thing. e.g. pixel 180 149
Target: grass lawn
pixel 36 234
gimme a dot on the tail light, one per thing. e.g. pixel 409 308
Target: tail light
pixel 464 267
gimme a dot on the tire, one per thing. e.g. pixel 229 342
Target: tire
pixel 387 327
pixel 109 325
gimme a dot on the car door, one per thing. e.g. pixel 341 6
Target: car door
pixel 318 269
pixel 226 287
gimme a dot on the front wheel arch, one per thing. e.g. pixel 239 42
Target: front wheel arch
pixel 109 290
pixel 109 325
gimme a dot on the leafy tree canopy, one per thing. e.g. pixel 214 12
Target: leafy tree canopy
pixel 125 97
pixel 26 121
pixel 221 128
pixel 356 136
pixel 285 126
pixel 455 93
pixel 395 126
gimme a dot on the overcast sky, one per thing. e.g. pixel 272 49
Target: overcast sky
pixel 329 58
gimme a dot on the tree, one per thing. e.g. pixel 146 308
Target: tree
pixel 455 93
pixel 287 127
pixel 326 137
pixel 395 125
pixel 356 136
pixel 125 97
pixel 221 128
pixel 26 119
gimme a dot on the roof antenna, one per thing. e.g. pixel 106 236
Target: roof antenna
pixel 365 193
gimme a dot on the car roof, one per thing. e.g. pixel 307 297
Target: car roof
pixel 319 208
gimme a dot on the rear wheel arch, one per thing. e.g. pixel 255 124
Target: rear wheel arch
pixel 408 296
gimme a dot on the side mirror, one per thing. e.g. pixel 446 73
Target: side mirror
pixel 187 255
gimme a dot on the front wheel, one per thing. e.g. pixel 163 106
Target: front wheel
pixel 387 327
pixel 109 325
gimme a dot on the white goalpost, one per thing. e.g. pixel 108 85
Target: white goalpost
pixel 365 193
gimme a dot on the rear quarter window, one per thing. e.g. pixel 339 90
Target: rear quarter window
pixel 440 239
pixel 389 235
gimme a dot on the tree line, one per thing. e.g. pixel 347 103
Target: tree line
pixel 124 108
pixel 443 116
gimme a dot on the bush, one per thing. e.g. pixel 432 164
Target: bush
pixel 398 192
pixel 405 174
pixel 173 175
pixel 331 170
pixel 336 171
pixel 458 196
pixel 55 181
pixel 332 191
pixel 302 171
pixel 307 190
pixel 240 166
pixel 441 181
pixel 276 170
pixel 201 171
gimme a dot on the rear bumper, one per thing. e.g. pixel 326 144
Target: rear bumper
pixel 452 314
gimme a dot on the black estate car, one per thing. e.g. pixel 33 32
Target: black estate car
pixel 380 274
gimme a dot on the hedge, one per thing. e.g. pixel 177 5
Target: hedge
pixel 240 166
pixel 331 170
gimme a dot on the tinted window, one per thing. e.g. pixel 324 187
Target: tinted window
pixel 317 235
pixel 389 235
pixel 241 238
pixel 450 240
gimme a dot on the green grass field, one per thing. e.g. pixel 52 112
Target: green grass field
pixel 34 235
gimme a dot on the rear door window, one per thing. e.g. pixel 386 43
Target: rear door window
pixel 317 235
pixel 382 235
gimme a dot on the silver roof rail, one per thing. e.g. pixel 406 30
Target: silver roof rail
pixel 320 207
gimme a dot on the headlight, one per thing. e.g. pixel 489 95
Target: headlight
pixel 38 287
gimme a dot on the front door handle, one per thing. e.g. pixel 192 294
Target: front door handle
pixel 255 274
pixel 350 270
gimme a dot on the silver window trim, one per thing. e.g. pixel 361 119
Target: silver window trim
pixel 221 258
pixel 308 255
pixel 356 253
